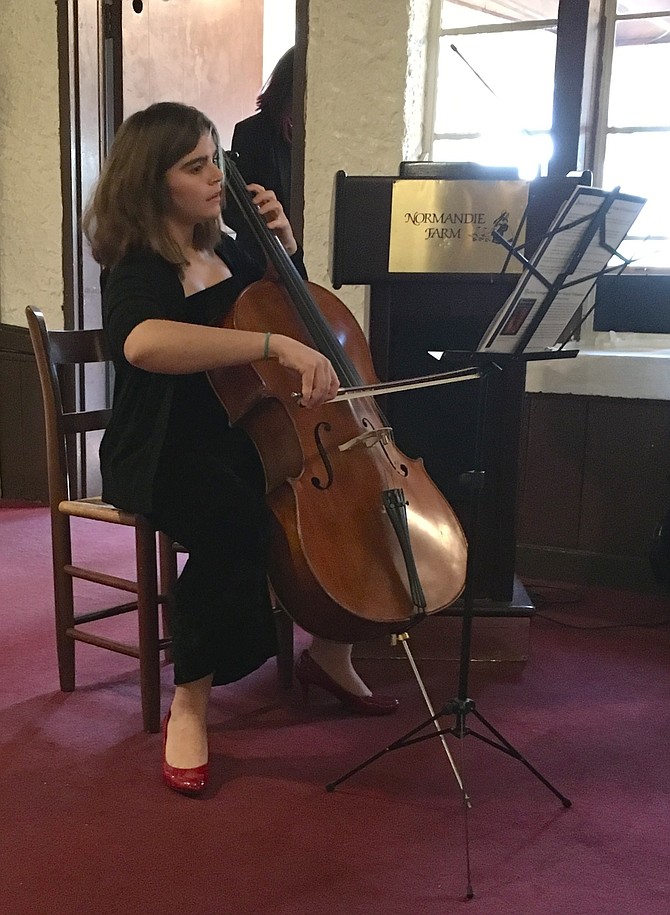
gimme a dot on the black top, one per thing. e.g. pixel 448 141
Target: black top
pixel 196 413
pixel 141 287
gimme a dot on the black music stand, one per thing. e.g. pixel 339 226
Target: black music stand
pixel 518 328
pixel 462 705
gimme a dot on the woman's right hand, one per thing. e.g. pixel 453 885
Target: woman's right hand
pixel 319 381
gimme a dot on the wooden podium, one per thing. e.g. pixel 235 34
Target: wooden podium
pixel 415 314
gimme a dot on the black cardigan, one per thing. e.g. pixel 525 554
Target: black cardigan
pixel 141 287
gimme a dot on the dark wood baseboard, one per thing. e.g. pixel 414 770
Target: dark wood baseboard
pixel 23 472
pixel 630 572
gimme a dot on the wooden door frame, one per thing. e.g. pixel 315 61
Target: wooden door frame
pixel 110 94
pixel 70 147
pixel 298 144
pixel 107 17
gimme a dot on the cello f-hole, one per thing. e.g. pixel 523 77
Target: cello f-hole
pixel 402 468
pixel 324 457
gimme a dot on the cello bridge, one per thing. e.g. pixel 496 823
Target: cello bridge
pixel 369 438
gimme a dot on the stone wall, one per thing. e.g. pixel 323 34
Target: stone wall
pixel 31 212
pixel 357 102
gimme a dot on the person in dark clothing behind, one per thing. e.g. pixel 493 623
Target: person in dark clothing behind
pixel 169 452
pixel 263 146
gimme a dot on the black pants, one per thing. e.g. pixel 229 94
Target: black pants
pixel 211 500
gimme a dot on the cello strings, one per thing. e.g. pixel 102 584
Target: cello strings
pixel 317 326
pixel 315 323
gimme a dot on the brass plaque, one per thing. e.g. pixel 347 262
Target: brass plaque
pixel 442 226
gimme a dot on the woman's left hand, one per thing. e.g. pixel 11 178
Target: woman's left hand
pixel 275 218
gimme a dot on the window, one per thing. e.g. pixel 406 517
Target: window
pixel 633 140
pixel 495 84
pixel 494 94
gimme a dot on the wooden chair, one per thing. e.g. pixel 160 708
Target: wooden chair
pixel 55 350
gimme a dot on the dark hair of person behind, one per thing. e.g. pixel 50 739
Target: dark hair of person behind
pixel 276 97
pixel 128 208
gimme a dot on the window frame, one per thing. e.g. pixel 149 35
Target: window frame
pixel 601 130
pixel 584 59
pixel 436 32
pixel 583 70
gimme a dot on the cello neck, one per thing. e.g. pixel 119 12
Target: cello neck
pixel 317 327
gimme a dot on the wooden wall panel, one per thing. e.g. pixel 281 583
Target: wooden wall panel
pixel 627 460
pixel 595 483
pixel 22 439
pixel 551 475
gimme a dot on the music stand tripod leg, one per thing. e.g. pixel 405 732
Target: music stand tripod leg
pixel 506 747
pixel 407 739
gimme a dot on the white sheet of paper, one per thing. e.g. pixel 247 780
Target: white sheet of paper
pixel 554 258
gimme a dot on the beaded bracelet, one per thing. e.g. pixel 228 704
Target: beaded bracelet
pixel 266 345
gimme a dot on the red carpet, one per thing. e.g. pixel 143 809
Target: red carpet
pixel 87 826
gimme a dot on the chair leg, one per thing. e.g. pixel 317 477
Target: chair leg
pixel 168 579
pixel 284 625
pixel 284 630
pixel 63 600
pixel 147 611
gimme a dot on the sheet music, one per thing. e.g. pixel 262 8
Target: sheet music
pixel 566 254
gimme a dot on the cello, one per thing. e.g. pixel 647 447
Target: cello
pixel 363 543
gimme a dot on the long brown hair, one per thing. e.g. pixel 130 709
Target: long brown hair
pixel 128 208
pixel 276 97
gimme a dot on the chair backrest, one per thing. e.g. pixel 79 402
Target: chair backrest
pixel 55 349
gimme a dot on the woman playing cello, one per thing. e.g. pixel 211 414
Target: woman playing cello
pixel 170 274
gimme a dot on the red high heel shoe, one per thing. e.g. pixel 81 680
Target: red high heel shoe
pixel 185 781
pixel 308 673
